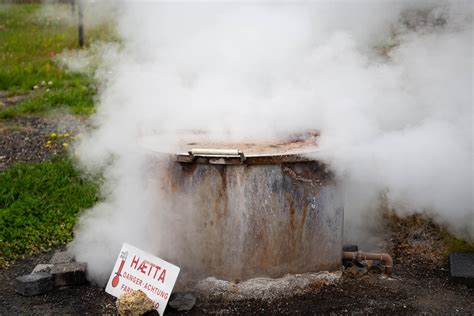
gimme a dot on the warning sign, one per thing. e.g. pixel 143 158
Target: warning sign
pixel 137 270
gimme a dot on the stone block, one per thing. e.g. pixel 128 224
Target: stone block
pixel 34 283
pixel 461 268
pixel 375 266
pixel 42 267
pixel 72 273
pixel 61 257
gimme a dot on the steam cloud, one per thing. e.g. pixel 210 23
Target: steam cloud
pixel 388 84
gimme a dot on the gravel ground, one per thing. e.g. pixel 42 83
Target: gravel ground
pixel 25 138
pixel 7 100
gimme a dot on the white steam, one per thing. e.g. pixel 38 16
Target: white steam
pixel 95 13
pixel 389 85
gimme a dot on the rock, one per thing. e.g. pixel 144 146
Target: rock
pixel 461 268
pixel 347 263
pixel 42 267
pixel 355 271
pixel 72 273
pixel 34 283
pixel 134 303
pixel 182 301
pixel 375 266
pixel 61 257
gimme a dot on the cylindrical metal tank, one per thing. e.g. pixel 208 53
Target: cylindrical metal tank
pixel 252 210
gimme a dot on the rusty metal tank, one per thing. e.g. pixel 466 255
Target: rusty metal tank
pixel 245 210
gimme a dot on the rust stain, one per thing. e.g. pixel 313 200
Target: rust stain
pixel 305 212
pixel 167 180
pixel 264 253
pixel 293 232
pixel 220 201
pixel 297 212
pixel 291 212
pixel 188 169
pixel 296 177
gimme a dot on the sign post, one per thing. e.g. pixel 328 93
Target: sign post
pixel 137 270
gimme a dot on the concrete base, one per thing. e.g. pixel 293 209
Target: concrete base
pixel 265 288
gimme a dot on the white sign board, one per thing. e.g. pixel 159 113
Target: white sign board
pixel 137 270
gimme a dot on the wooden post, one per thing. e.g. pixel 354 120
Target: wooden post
pixel 81 23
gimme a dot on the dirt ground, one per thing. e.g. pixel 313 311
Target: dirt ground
pixel 420 283
pixel 419 286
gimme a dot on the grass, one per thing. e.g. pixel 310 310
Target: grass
pixel 40 202
pixel 39 205
pixel 29 43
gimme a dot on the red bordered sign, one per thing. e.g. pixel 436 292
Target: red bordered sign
pixel 137 270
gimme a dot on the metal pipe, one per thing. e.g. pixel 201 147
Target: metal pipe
pixel 214 152
pixel 359 256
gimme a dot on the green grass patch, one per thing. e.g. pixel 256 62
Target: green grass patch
pixel 39 205
pixel 454 244
pixel 77 100
pixel 29 42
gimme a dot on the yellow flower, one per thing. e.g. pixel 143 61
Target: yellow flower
pixel 65 145
pixel 66 134
pixel 53 135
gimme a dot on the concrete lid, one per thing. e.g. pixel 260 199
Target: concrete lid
pixel 198 148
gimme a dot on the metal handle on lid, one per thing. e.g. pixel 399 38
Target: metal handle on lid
pixel 217 153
